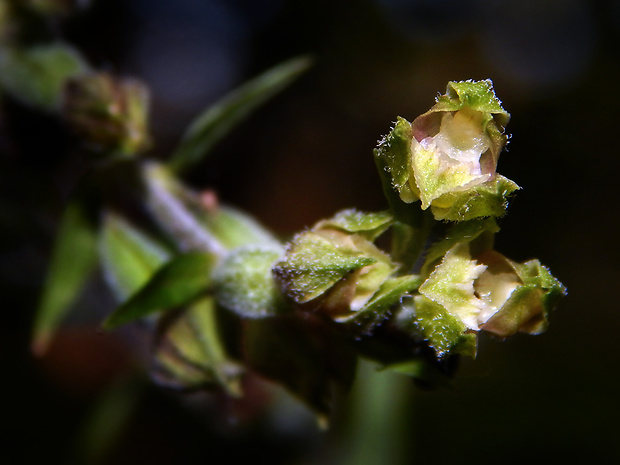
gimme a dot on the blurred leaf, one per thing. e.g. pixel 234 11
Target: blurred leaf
pixel 73 258
pixel 217 121
pixel 175 284
pixel 244 283
pixel 37 75
pixel 108 420
pixel 234 228
pixel 129 257
pixel 177 210
pixel 305 354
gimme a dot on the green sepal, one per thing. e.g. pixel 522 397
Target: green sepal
pixel 218 120
pixel 313 264
pixel 480 230
pixel 393 158
pixel 129 257
pixel 370 225
pixel 37 75
pixel 74 256
pixel 478 95
pixel 190 353
pixel 451 285
pixel 528 307
pixel 175 284
pixel 379 306
pixel 484 200
pixel 445 333
pixel 305 354
pixel 245 285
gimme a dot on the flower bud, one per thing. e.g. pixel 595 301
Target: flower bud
pixel 336 265
pixel 448 156
pixel 109 113
pixel 488 292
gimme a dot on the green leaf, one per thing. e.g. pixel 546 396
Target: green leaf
pixel 484 200
pixel 73 258
pixel 217 121
pixel 177 283
pixel 307 355
pixel 129 257
pixel 245 284
pixel 444 332
pixel 37 75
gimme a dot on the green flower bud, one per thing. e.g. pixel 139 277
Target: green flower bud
pixel 488 292
pixel 335 264
pixel 448 156
pixel 109 113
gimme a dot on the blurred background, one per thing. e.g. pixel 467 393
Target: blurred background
pixel 307 154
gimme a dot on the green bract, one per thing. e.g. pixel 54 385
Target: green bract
pixel 447 157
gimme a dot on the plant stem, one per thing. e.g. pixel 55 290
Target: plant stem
pixel 380 418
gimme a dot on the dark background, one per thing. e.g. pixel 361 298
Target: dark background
pixel 307 154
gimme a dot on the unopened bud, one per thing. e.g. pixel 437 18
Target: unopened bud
pixel 336 265
pixel 110 113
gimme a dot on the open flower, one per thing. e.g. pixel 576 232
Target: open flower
pixel 465 294
pixel 448 156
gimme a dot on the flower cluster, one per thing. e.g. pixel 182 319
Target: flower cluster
pixel 445 163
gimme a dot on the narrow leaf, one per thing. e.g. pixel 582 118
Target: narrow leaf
pixel 217 121
pixel 129 257
pixel 73 258
pixel 175 284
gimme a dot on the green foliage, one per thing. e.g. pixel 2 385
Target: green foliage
pixel 129 257
pixel 218 120
pixel 73 259
pixel 175 284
